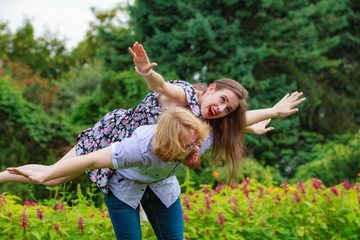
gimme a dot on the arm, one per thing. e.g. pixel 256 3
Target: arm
pixel 155 81
pixel 284 108
pixel 70 166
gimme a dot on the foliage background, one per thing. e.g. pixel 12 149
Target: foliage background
pixel 49 94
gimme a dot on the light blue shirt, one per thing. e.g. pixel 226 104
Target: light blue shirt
pixel 138 167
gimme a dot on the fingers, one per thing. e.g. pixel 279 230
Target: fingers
pixel 269 129
pixel 14 171
pixel 132 53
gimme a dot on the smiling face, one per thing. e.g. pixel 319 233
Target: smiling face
pixel 192 144
pixel 217 104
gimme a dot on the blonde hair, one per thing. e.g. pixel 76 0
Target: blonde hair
pixel 173 128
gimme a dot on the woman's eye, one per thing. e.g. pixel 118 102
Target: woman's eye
pixel 222 99
pixel 228 110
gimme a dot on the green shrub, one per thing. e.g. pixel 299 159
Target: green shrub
pixel 28 135
pixel 333 162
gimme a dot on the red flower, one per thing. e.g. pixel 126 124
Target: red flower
pixel 261 193
pixel 186 218
pixel 316 183
pixel 56 227
pixel 81 225
pixel 27 203
pixel 218 187
pixel 221 218
pixel 187 204
pixel 278 197
pixel 23 222
pixel 201 211
pixel 298 199
pixel 334 191
pixel 60 206
pixel 346 185
pixel 208 203
pixel 301 187
pixel 39 213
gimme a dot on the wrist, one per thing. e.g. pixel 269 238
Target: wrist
pixel 142 73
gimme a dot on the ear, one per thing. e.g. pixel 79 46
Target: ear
pixel 211 88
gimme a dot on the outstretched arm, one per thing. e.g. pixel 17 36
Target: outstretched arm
pixel 68 167
pixel 284 108
pixel 154 80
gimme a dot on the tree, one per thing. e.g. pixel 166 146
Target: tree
pixel 271 47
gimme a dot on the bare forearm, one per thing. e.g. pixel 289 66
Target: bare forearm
pixel 72 166
pixel 155 82
pixel 254 116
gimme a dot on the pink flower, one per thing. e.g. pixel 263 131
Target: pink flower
pixel 2 200
pixel 235 209
pixel 186 237
pixel 301 187
pixel 278 197
pixel 261 193
pixel 56 227
pixel 358 199
pixel 298 199
pixel 10 214
pixel 81 225
pixel 60 206
pixel 221 218
pixel 27 203
pixel 207 231
pixel 245 183
pixel 219 187
pixel 316 183
pixel 39 213
pixel 262 223
pixel 242 222
pixel 201 211
pixel 346 185
pixel 23 222
pixel 187 203
pixel 208 203
pixel 334 191
pixel 186 217
pixel 285 186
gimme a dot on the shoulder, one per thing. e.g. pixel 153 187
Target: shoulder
pixel 191 96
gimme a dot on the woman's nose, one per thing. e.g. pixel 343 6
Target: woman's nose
pixel 221 107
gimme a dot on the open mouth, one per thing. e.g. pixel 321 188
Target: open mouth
pixel 191 158
pixel 211 112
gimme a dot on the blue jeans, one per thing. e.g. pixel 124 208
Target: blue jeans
pixel 166 222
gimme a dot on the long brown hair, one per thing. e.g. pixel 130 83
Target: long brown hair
pixel 173 127
pixel 229 131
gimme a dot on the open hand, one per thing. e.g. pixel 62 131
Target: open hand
pixel 32 175
pixel 260 127
pixel 141 59
pixel 287 105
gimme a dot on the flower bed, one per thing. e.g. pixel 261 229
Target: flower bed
pixel 241 211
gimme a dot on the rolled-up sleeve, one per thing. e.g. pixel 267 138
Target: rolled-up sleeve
pixel 127 154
